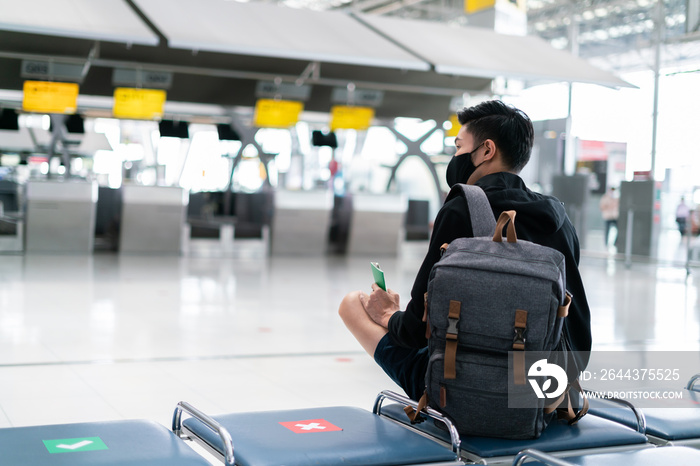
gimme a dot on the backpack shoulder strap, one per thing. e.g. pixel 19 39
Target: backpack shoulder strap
pixel 480 213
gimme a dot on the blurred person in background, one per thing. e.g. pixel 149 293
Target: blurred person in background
pixel 610 210
pixel 682 214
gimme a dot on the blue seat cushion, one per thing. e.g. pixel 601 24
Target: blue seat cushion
pixel 679 420
pixel 666 456
pixel 139 442
pixel 326 436
pixel 590 432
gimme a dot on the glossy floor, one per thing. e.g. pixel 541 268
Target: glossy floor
pixel 119 337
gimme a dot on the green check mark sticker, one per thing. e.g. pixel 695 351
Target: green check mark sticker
pixel 73 445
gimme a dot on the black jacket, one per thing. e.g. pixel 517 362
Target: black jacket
pixel 540 219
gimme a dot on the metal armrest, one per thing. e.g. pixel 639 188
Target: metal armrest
pixel 207 421
pixel 638 414
pixel 692 381
pixel 387 394
pixel 539 456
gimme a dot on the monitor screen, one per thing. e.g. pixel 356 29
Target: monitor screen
pixel 319 138
pixel 227 133
pixel 174 129
pixel 9 119
pixel 74 124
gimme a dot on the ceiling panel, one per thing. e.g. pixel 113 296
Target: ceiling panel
pixel 472 51
pixel 230 79
pixel 104 20
pixel 273 31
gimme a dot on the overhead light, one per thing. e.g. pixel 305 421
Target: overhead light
pixel 675 19
pixel 560 43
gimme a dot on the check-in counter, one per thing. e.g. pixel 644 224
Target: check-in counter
pixel 60 217
pixel 153 219
pixel 13 240
pixel 377 224
pixel 11 219
pixel 301 222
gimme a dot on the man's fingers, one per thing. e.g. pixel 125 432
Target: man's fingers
pixel 363 299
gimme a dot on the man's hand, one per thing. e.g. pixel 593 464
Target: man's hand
pixel 380 305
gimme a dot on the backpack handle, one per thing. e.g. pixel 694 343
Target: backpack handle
pixel 507 218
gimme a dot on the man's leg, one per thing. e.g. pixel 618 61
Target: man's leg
pixel 364 329
pixel 405 366
pixel 607 232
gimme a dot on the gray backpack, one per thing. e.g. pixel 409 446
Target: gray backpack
pixel 490 303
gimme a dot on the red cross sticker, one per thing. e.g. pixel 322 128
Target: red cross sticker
pixel 310 426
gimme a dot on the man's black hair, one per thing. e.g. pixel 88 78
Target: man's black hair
pixel 508 127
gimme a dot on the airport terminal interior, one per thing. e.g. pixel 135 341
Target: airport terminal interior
pixel 189 189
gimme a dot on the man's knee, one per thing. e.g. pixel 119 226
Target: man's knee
pixel 350 305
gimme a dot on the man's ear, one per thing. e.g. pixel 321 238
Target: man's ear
pixel 490 149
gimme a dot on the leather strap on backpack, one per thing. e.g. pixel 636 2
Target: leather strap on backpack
pixel 414 413
pixel 571 415
pixel 507 218
pixel 563 310
pixel 567 412
pixel 425 316
pixel 451 338
pixel 520 326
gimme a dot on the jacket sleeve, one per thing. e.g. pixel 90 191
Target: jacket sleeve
pixel 577 326
pixel 407 328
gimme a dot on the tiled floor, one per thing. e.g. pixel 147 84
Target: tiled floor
pixel 118 337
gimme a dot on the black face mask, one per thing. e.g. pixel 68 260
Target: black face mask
pixel 461 168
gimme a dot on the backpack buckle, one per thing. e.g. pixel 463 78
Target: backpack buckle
pixel 453 319
pixel 520 327
pixel 452 328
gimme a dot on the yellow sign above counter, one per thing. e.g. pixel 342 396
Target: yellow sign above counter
pixel 138 104
pixel 50 97
pixel 271 113
pixel 346 117
pixel 474 6
pixel 454 129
